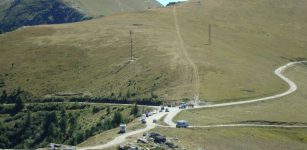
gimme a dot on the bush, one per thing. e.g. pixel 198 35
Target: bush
pixel 19 105
pixel 3 96
pixel 135 110
pixel 117 118
pixel 6 109
pixel 95 110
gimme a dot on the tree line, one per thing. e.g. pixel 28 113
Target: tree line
pixel 11 98
pixel 33 129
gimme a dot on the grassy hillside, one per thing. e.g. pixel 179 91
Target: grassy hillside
pixel 287 110
pixel 249 41
pixel 18 13
pixel 239 138
pixel 98 8
pixel 95 54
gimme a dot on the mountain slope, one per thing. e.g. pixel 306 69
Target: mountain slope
pixel 33 12
pixel 98 8
pixel 18 13
pixel 249 41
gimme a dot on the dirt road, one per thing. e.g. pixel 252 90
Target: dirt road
pixel 122 138
pixel 292 88
pixel 174 111
pixel 187 57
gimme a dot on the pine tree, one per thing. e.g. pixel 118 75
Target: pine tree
pixel 19 105
pixel 117 118
pixel 63 122
pixel 52 133
pixel 135 110
pixel 128 94
pixel 108 110
pixel 3 97
pixel 28 120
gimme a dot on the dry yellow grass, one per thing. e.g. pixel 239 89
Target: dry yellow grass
pixel 97 8
pixel 250 40
pixel 290 108
pixel 239 138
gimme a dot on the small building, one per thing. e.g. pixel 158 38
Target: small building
pixel 122 128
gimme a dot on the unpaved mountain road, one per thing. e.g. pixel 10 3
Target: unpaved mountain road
pixel 242 125
pixel 121 138
pixel 174 111
pixel 292 88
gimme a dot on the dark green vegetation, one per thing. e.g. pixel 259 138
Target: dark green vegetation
pixel 36 125
pixel 173 3
pixel 15 95
pixel 18 13
pixel 32 12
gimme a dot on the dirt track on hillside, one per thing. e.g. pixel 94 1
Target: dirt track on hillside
pixel 174 111
pixel 187 57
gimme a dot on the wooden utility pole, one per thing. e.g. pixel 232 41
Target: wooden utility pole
pixel 209 38
pixel 131 45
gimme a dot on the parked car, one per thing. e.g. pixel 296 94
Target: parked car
pixel 143 121
pixel 182 124
pixel 122 128
pixel 166 110
pixel 154 121
pixel 182 106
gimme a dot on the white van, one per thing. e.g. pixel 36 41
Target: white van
pixel 122 128
pixel 143 119
pixel 182 124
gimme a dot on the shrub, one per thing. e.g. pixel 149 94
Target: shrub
pixel 95 110
pixel 117 118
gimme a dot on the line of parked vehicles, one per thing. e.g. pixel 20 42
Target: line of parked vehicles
pixel 179 123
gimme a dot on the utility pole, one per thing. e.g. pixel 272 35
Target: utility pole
pixel 209 38
pixel 131 45
pixel 148 4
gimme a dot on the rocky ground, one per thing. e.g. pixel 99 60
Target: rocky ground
pixel 152 141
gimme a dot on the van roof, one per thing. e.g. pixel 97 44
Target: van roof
pixel 181 121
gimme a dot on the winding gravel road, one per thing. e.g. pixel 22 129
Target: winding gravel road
pixel 292 88
pixel 242 125
pixel 174 111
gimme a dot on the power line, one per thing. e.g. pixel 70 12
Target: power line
pixel 209 34
pixel 131 46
